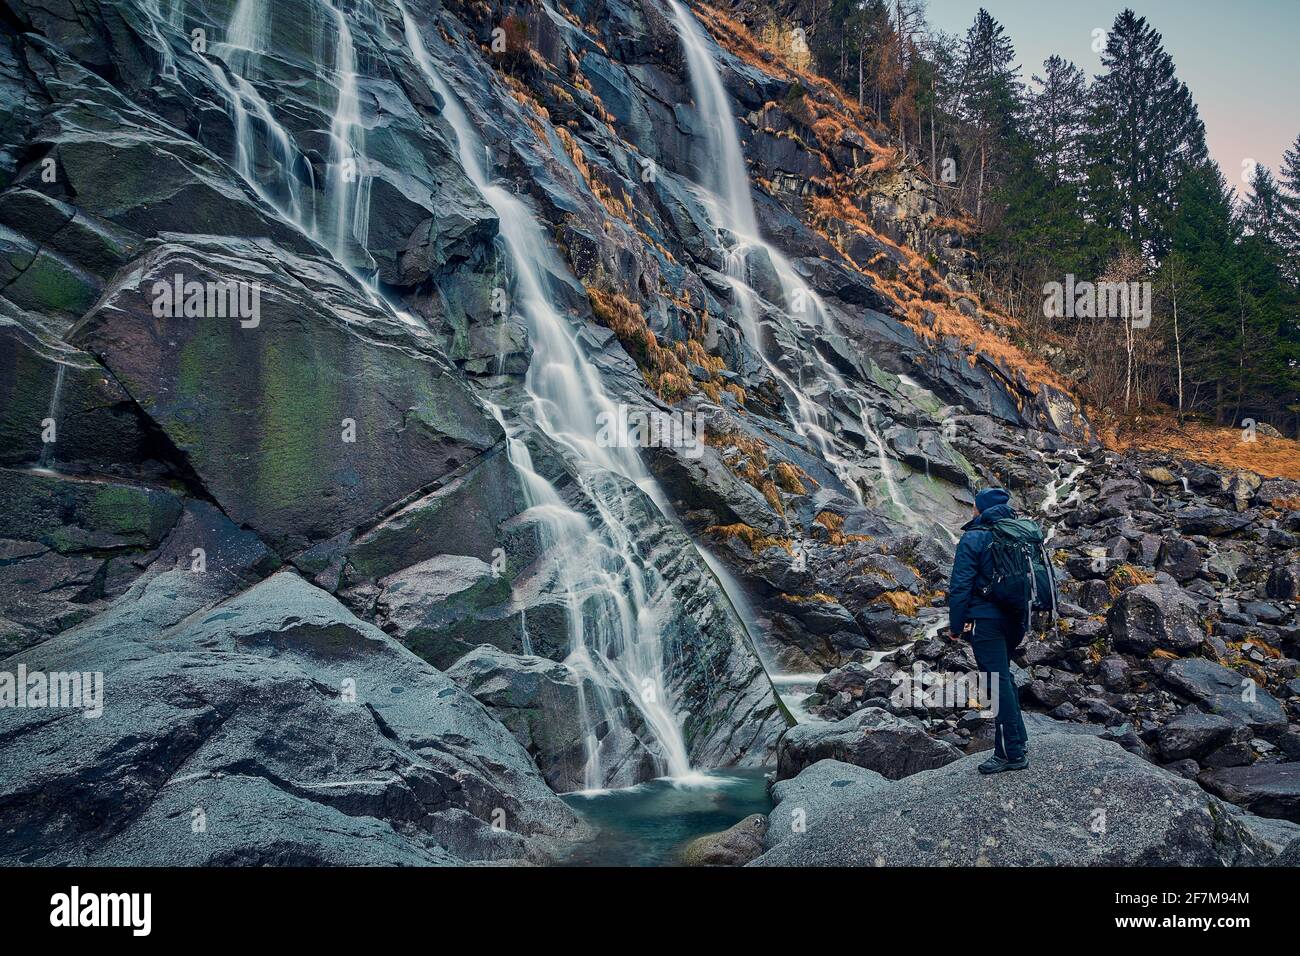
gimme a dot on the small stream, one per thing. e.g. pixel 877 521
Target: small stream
pixel 649 824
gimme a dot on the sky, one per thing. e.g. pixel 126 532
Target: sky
pixel 1240 59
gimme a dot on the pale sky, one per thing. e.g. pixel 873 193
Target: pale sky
pixel 1240 59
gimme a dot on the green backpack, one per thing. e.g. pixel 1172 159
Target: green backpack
pixel 1021 578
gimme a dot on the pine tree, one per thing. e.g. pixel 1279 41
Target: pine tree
pixel 1056 120
pixel 990 95
pixel 1289 209
pixel 1144 133
pixel 1203 233
pixel 1263 212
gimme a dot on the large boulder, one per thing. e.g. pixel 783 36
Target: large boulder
pixel 1155 617
pixel 734 846
pixel 802 802
pixel 1081 802
pixel 275 704
pixel 1193 734
pixel 1227 693
pixel 1180 559
pixel 1266 789
pixel 1210 521
pixel 872 738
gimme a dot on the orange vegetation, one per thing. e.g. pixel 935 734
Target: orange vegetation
pixel 904 602
pixel 913 293
pixel 1211 444
pixel 757 541
pixel 661 368
pixel 750 464
pixel 833 523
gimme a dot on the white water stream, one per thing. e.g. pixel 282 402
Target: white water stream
pixel 614 614
pixel 728 197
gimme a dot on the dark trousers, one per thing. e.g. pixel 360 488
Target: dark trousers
pixel 993 643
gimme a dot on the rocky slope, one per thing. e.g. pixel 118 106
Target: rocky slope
pixel 360 571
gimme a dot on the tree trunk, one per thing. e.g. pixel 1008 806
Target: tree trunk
pixel 859 71
pixel 1178 346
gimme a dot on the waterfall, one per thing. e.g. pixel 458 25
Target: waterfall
pixel 348 189
pixel 614 622
pixel 727 195
pixel 265 154
pixel 279 186
pixel 173 19
pixel 56 397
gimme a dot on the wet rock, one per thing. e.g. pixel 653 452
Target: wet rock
pixel 1242 487
pixel 1226 693
pixel 872 738
pixel 541 703
pixel 1284 582
pixel 1150 617
pixel 955 816
pixel 732 847
pixel 274 699
pixel 1180 559
pixel 346 385
pixel 1210 521
pixel 1193 734
pixel 1266 789
pixel 1288 857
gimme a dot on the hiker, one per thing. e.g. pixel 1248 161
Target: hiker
pixel 995 587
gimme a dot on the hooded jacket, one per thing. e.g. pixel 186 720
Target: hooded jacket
pixel 970 565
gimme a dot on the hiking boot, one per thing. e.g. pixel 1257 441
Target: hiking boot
pixel 996 764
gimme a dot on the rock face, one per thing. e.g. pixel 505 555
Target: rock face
pixel 1081 802
pixel 273 532
pixel 316 420
pixel 274 700
pixel 338 404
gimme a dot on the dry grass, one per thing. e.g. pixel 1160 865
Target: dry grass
pixel 755 539
pixel 1126 576
pixel 904 602
pixel 834 524
pixel 1210 444
pixel 791 478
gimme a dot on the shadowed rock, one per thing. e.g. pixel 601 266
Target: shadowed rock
pixel 1081 802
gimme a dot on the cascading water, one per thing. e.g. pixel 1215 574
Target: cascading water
pixel 159 22
pixel 732 207
pixel 56 397
pixel 614 620
pixel 272 167
pixel 265 154
pixel 348 189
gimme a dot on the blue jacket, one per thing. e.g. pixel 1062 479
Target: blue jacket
pixel 970 569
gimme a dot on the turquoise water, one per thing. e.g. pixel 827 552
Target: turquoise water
pixel 647 825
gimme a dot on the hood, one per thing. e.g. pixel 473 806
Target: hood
pixel 994 513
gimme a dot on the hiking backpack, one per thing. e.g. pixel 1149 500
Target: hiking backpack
pixel 1021 578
